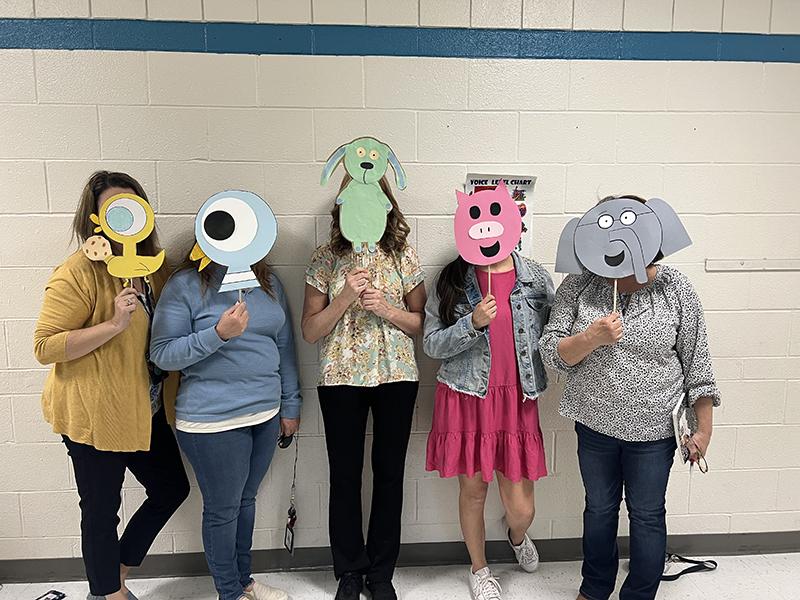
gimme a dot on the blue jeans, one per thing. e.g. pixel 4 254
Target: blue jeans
pixel 643 468
pixel 229 467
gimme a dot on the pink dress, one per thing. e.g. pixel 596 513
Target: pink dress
pixel 496 433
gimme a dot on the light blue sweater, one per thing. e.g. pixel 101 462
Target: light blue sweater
pixel 250 373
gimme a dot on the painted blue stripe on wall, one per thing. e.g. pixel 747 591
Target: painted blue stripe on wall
pixel 264 38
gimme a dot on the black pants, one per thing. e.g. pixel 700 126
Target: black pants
pixel 344 411
pixel 99 475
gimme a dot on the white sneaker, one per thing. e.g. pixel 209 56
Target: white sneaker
pixel 261 591
pixel 526 553
pixel 484 586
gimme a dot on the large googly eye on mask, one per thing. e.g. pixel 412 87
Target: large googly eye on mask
pixel 229 224
pixel 628 217
pixel 126 218
pixel 605 221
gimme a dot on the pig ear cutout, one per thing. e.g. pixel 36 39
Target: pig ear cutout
pixel 566 259
pixel 399 173
pixel 331 164
pixel 502 190
pixel 461 197
pixel 673 234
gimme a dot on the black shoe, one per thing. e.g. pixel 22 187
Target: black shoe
pixel 382 590
pixel 350 585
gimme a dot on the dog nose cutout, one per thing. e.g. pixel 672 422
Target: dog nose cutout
pixel 485 229
pixel 367 165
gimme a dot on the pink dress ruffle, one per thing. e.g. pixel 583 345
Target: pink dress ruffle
pixel 500 432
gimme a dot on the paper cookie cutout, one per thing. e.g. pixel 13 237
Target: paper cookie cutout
pixel 364 205
pixel 97 248
pixel 488 225
pixel 235 229
pixel 128 220
pixel 620 237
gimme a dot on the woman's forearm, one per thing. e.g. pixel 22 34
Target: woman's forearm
pixel 410 322
pixel 81 342
pixel 575 348
pixel 704 409
pixel 320 324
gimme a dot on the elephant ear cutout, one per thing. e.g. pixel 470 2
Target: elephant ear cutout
pixel 566 256
pixel 97 248
pixel 674 236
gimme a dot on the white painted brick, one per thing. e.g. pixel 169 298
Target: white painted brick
pixel 747 334
pixel 49 132
pixel 785 17
pixel 727 368
pixel 316 200
pixel 590 14
pixel 697 15
pixel 496 14
pixel 794 340
pixel 725 235
pixel 452 13
pixel 559 496
pixel 697 524
pixel 19 548
pixel 751 402
pixel 176 234
pixel 29 425
pixel 617 85
pixel 748 16
pixel 153 133
pixel 425 405
pixel 295 243
pixel 327 81
pixel 666 138
pixel 789 489
pixel 23 187
pixel 438 500
pixel 23 237
pixel 6 419
pixel 423 83
pixel 332 128
pixel 547 14
pixel 50 514
pixel 119 9
pixel 721 188
pixel 48 9
pixel 403 13
pixel 340 12
pixel 66 180
pixel 648 15
pixel 260 134
pixel 538 84
pixel 11 524
pixel 774 291
pixel 284 11
pixel 175 10
pixel 768 447
pixel 777 521
pixel 23 382
pixel 437 246
pixel 568 527
pixel 184 186
pixel 549 189
pixel 191 542
pixel 16 9
pixel 118 77
pixel 781 86
pixel 678 491
pixel 197 79
pixel 19 461
pixel 717 291
pixel 566 137
pixel 423 532
pixel 19 336
pixel 566 455
pixel 723 492
pixel 722 450
pixel 715 86
pixel 586 184
pixel 230 10
pixel 18 83
pixel 431 189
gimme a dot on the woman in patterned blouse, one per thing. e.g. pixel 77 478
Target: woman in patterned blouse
pixel 625 373
pixel 365 306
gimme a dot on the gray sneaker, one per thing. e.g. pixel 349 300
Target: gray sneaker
pixel 526 553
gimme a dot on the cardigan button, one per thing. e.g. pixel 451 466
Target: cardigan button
pixel 524 353
pixel 520 330
pixel 527 375
pixel 519 306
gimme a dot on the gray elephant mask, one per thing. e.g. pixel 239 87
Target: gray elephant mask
pixel 619 238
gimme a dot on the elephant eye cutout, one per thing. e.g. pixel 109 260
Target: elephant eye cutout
pixel 374 155
pixel 495 208
pixel 125 216
pixel 229 224
pixel 475 212
pixel 361 153
pixel 628 217
pixel 605 221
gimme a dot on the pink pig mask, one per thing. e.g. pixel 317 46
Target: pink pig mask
pixel 488 225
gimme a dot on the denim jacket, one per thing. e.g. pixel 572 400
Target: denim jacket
pixel 464 350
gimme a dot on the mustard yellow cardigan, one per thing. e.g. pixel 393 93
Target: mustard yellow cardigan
pixel 103 398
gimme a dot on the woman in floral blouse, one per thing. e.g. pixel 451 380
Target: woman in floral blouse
pixel 365 306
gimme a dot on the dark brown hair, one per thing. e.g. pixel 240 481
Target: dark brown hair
pixel 450 289
pixel 393 241
pixel 660 255
pixel 99 182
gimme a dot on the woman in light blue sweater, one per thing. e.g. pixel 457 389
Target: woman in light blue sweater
pixel 239 389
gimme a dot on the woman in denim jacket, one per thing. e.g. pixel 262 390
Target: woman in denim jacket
pixel 486 416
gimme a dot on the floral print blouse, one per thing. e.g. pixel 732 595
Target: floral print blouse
pixel 364 349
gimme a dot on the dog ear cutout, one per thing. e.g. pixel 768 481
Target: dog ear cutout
pixel 331 164
pixel 566 258
pixel 399 173
pixel 673 234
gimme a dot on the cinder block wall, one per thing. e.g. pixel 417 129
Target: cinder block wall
pixel 718 140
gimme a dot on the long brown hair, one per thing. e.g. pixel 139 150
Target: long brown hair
pixel 450 289
pixel 261 270
pixel 394 237
pixel 99 182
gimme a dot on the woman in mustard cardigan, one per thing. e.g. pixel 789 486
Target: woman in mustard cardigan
pixel 106 399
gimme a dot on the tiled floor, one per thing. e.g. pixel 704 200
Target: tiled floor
pixel 756 577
